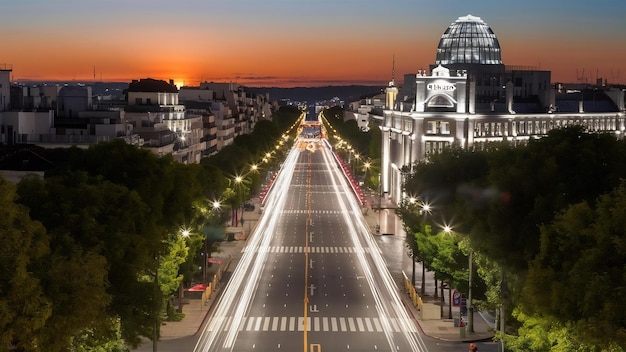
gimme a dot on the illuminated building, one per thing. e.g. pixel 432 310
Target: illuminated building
pixel 470 97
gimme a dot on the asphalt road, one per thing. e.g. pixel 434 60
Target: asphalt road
pixel 311 277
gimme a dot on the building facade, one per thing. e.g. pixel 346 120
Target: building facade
pixel 164 125
pixel 470 98
pixel 5 86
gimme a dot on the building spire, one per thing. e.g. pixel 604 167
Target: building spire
pixel 391 92
pixel 393 71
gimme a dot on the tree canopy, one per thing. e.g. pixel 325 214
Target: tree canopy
pixel 548 214
pixel 91 251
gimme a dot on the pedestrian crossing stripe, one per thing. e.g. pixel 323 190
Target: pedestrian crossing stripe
pixel 323 324
pixel 313 211
pixel 320 249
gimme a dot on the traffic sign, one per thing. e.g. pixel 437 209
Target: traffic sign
pixel 456 298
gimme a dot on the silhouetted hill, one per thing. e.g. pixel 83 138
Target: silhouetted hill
pixel 315 94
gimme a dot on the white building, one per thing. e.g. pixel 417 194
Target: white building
pixel 165 126
pixel 478 101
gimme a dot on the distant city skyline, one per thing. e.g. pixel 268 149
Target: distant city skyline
pixel 297 43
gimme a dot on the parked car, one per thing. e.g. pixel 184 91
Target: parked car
pixel 248 207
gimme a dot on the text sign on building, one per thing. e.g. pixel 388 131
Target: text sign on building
pixel 441 86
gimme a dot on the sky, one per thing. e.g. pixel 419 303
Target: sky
pixel 287 43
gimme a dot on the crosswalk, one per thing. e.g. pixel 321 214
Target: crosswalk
pixel 313 211
pixel 311 249
pixel 324 324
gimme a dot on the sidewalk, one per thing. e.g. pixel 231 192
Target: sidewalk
pixel 193 308
pixel 429 320
pixel 434 319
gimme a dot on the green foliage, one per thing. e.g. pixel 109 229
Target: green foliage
pixel 544 334
pixel 283 119
pixel 81 248
pixel 170 261
pixel 579 275
pixel 94 226
pixel 540 334
pixel 95 211
pixel 25 246
pixel 505 199
pixel 232 160
pixel 366 144
pixel 107 339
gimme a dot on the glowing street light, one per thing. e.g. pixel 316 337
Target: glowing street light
pixel 470 313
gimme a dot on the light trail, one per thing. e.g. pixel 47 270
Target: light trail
pixel 233 304
pixel 361 232
pixel 234 301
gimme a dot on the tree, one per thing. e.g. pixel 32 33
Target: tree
pixel 94 229
pixel 103 340
pixel 579 276
pixel 23 301
pixel 170 277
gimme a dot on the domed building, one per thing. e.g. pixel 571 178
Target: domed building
pixel 468 41
pixel 470 97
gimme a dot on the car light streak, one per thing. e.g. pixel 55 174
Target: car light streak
pixel 241 287
pixel 360 232
pixel 221 331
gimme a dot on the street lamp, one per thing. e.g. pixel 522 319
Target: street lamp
pixel 470 313
pixel 216 206
pixel 357 157
pixel 236 197
pixel 155 328
pixel 185 233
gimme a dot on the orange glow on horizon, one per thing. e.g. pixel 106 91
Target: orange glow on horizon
pixel 306 61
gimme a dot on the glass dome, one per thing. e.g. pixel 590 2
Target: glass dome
pixel 468 40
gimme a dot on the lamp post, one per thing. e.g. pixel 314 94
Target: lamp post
pixel 470 310
pixel 185 233
pixel 366 167
pixel 216 206
pixel 470 314
pixel 155 326
pixel 380 200
pixel 237 180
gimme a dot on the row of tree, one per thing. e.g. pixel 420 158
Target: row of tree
pixel 365 144
pixel 91 252
pixel 545 222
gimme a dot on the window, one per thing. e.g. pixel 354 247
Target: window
pixel 437 127
pixel 431 127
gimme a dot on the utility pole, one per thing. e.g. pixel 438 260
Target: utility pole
pixel 155 327
pixel 470 314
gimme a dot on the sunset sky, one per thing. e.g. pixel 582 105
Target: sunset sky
pixel 298 42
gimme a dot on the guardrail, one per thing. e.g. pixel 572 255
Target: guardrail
pixel 415 297
pixel 211 287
